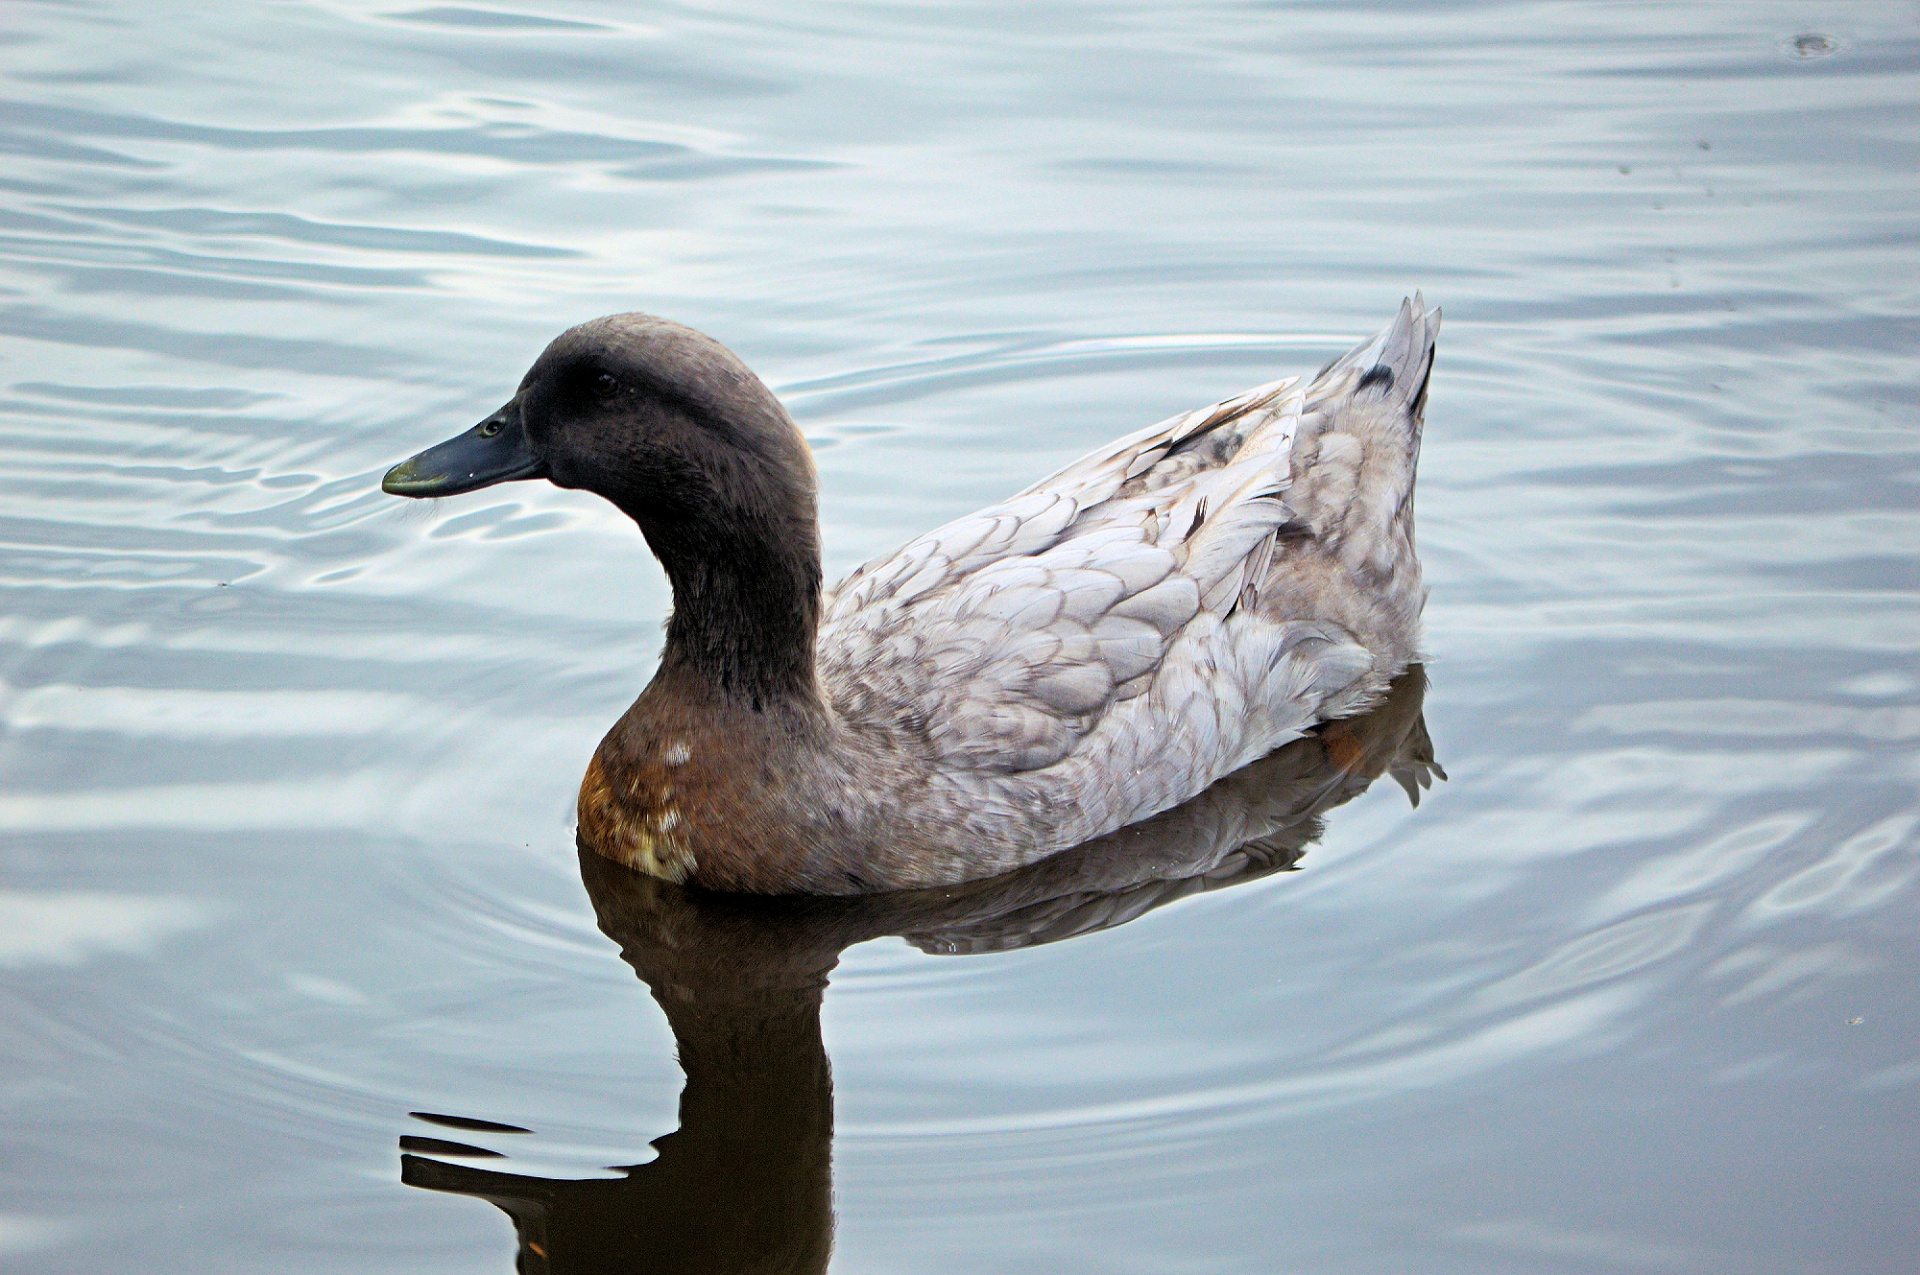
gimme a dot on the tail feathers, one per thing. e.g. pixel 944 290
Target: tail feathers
pixel 1355 451
pixel 1394 366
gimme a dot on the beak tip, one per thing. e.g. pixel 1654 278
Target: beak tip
pixel 402 481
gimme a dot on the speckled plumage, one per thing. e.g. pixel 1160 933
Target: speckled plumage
pixel 1098 648
pixel 1162 612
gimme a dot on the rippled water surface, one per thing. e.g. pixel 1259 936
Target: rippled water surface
pixel 288 770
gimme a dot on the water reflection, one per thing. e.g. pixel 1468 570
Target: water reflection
pixel 745 1183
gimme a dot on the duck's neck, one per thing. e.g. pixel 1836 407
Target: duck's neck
pixel 746 606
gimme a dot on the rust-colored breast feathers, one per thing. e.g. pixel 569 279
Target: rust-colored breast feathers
pixel 631 812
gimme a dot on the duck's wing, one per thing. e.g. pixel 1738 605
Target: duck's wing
pixel 1004 637
pixel 1026 636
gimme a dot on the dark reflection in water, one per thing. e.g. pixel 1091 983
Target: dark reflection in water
pixel 745 1183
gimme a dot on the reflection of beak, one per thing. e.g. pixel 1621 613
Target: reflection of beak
pixel 494 451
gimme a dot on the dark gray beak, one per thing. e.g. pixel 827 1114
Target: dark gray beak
pixel 494 451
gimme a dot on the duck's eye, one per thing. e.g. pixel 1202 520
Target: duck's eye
pixel 489 428
pixel 607 382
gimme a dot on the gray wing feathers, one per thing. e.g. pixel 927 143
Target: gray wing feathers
pixel 1105 643
pixel 1031 618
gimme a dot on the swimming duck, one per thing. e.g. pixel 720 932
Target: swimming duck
pixel 1093 650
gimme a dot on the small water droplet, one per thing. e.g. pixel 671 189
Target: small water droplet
pixel 1812 45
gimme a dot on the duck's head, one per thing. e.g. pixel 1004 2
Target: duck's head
pixel 673 429
pixel 662 420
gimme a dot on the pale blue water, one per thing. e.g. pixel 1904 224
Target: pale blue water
pixel 288 771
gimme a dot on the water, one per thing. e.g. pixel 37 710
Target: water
pixel 285 796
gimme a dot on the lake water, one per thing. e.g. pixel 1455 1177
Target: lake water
pixel 289 765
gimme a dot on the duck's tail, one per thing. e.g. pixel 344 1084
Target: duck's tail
pixel 1396 363
pixel 1358 442
pixel 1347 554
pixel 1384 380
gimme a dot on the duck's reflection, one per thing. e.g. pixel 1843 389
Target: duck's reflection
pixel 744 1185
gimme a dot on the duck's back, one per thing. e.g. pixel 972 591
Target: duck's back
pixel 1113 639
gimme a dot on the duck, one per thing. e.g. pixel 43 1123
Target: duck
pixel 1093 650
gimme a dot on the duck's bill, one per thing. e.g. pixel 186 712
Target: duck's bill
pixel 494 451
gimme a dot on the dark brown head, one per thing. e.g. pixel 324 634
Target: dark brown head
pixel 672 427
pixel 662 420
